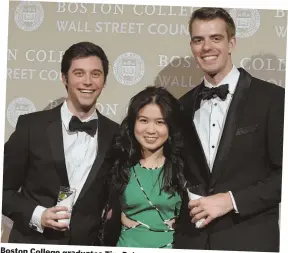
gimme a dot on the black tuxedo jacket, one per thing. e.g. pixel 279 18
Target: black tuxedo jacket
pixel 34 161
pixel 248 163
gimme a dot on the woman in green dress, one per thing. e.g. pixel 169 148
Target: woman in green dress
pixel 147 180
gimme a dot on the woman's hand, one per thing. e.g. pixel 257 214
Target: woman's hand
pixel 127 222
pixel 109 214
pixel 171 223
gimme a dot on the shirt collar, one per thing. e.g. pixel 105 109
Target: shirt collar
pixel 231 78
pixel 66 115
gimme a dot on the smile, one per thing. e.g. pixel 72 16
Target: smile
pixel 150 139
pixel 86 91
pixel 209 58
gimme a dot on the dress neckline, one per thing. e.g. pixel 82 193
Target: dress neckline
pixel 154 168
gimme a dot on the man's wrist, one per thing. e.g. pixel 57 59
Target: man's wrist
pixel 234 206
pixel 35 222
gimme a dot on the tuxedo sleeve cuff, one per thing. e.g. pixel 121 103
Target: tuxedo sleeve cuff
pixel 35 222
pixel 233 202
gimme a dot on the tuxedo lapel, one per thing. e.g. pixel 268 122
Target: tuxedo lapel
pixel 202 171
pixel 55 135
pixel 103 144
pixel 230 126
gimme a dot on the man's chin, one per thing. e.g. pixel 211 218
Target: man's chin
pixel 87 107
pixel 210 72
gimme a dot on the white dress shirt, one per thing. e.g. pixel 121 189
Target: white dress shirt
pixel 209 119
pixel 80 151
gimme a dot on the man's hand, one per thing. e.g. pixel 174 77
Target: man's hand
pixel 210 207
pixel 51 216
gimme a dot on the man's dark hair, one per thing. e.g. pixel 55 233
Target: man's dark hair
pixel 209 13
pixel 83 50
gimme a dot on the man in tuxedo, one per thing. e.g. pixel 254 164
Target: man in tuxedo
pixel 64 146
pixel 234 130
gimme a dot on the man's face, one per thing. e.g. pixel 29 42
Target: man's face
pixel 211 47
pixel 85 81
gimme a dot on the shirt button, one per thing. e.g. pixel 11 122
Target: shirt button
pixel 213 146
pixel 213 125
pixel 215 104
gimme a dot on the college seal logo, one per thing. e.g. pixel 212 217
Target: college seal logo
pixel 128 68
pixel 17 107
pixel 247 21
pixel 29 15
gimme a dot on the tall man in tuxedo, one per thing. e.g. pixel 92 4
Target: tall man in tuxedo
pixel 234 131
pixel 64 146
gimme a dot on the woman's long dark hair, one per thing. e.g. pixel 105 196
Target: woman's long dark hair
pixel 127 151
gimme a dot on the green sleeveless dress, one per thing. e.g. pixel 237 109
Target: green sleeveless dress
pixel 142 202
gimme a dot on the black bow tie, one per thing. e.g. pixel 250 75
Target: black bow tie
pixel 221 92
pixel 89 127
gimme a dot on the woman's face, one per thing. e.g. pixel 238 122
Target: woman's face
pixel 150 129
